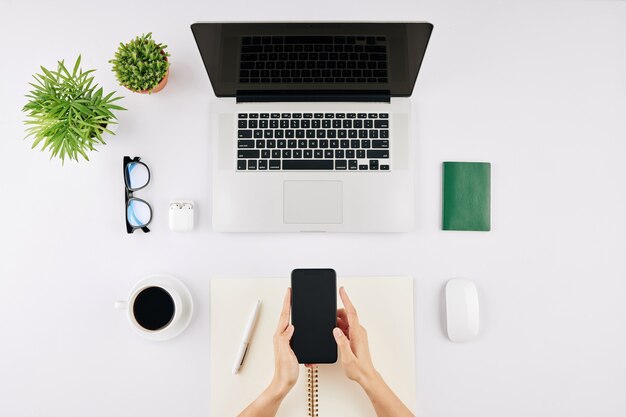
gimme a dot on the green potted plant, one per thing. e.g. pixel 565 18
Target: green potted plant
pixel 141 65
pixel 67 113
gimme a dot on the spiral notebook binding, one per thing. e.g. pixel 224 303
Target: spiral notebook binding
pixel 312 392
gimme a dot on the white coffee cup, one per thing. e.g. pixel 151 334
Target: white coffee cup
pixel 169 326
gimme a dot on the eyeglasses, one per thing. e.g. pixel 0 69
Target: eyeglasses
pixel 138 211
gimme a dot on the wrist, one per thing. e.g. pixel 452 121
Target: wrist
pixel 278 390
pixel 370 380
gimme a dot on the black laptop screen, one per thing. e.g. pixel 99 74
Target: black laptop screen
pixel 321 57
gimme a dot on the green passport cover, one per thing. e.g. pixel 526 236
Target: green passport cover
pixel 466 196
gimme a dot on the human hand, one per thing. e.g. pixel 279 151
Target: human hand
pixel 352 342
pixel 286 367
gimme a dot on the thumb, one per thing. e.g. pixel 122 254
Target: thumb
pixel 343 343
pixel 289 332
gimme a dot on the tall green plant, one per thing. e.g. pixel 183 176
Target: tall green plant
pixel 140 64
pixel 67 112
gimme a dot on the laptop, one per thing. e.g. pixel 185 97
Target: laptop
pixel 312 124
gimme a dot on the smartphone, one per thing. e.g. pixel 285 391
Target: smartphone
pixel 314 315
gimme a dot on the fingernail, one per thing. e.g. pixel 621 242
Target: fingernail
pixel 337 332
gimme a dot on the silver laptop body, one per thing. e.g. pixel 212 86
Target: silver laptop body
pixel 301 145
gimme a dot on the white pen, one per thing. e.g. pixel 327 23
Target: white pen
pixel 245 341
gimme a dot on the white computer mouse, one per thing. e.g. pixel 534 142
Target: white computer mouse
pixel 462 314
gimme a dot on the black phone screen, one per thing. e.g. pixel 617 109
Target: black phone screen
pixel 314 315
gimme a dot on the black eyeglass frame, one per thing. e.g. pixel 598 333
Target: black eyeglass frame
pixel 129 197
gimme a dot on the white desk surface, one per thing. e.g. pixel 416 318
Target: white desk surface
pixel 535 87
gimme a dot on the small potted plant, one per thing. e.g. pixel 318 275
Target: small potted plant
pixel 67 113
pixel 141 65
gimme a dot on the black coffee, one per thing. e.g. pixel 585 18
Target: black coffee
pixel 153 308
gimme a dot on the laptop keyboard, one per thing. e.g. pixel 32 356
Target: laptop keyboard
pixel 313 59
pixel 313 141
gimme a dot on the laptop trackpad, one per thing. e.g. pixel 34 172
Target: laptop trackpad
pixel 313 202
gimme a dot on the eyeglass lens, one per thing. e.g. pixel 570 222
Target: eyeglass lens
pixel 136 175
pixel 138 213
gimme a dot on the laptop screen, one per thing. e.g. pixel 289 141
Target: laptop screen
pixel 312 57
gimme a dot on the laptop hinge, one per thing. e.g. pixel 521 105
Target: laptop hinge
pixel 252 96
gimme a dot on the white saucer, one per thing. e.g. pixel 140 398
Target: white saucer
pixel 185 314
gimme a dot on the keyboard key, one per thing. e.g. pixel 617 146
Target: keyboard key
pixel 323 143
pixel 373 134
pixel 281 143
pixel 313 143
pixel 265 115
pixel 345 143
pixel 310 133
pixel 258 134
pixel 252 164
pixel 381 124
pixel 362 167
pixel 318 153
pixel 243 116
pixel 265 153
pixel 352 133
pixel 320 133
pixel 254 115
pixel 355 143
pixel 363 134
pixel 241 164
pixel 263 164
pixel 308 153
pixel 331 134
pixel 328 154
pixel 307 164
pixel 366 144
pixel 245 144
pixel 297 153
pixel 341 164
pixel 307 115
pixel 372 115
pixel 302 143
pixel 384 115
pixel 289 133
pixel 384 167
pixel 339 153
pixel 299 133
pixel 351 115
pixel 360 154
pixel 286 153
pixel 334 143
pixel 353 164
pixel 292 143
pixel 361 115
pixel 241 134
pixel 253 153
pixel 373 165
pixel 384 133
pixel 268 134
pixel 380 144
pixel 350 153
pixel 378 154
pixel 274 164
pixel 342 133
pixel 271 144
pixel 243 124
pixel 276 153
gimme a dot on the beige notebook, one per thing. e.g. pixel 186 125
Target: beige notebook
pixel 385 307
